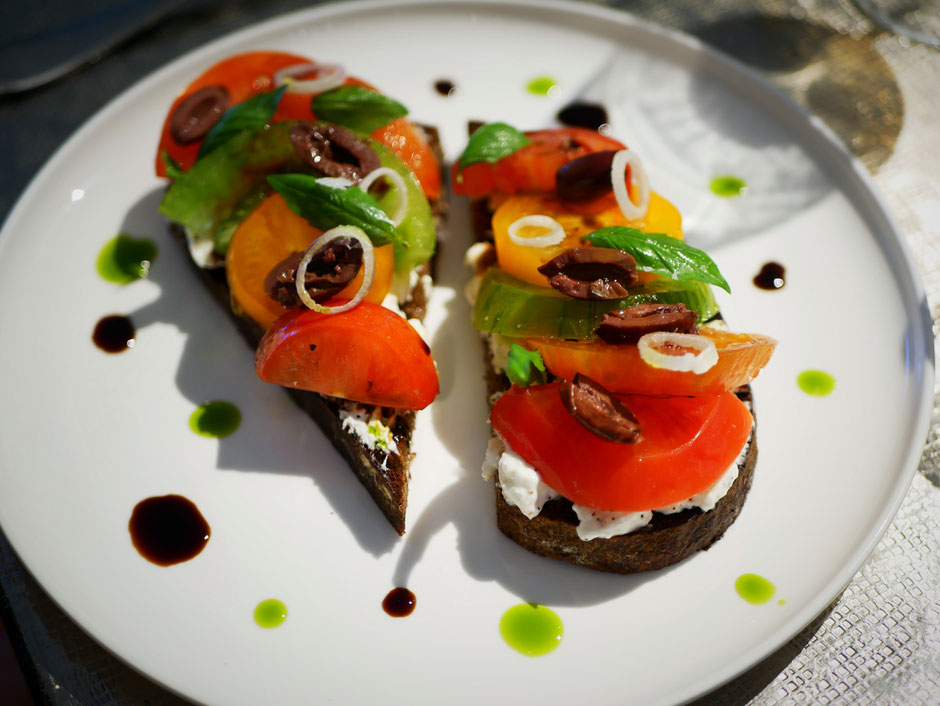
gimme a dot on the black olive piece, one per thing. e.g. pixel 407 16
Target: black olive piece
pixel 630 324
pixel 585 178
pixel 331 268
pixel 591 273
pixel 599 410
pixel 333 151
pixel 198 114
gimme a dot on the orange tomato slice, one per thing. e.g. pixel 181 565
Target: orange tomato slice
pixel 619 368
pixel 688 443
pixel 271 233
pixel 523 262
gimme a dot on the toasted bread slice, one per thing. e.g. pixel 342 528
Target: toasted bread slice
pixel 666 540
pixel 384 475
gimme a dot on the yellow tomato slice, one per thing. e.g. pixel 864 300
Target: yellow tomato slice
pixel 271 233
pixel 523 262
pixel 619 368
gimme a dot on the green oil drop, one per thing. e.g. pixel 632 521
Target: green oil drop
pixel 816 382
pixel 270 613
pixel 754 589
pixel 542 86
pixel 728 186
pixel 215 419
pixel 125 259
pixel 531 629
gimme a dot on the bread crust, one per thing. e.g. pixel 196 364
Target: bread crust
pixel 384 476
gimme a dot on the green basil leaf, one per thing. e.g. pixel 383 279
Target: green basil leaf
pixel 252 114
pixel 325 206
pixel 173 168
pixel 525 367
pixel 490 143
pixel 357 108
pixel 659 253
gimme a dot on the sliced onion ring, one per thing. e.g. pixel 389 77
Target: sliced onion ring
pixel 330 76
pixel 368 263
pixel 555 234
pixel 705 357
pixel 618 168
pixel 398 183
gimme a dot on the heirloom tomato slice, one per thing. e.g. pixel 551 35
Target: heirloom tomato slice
pixel 688 444
pixel 533 167
pixel 368 354
pixel 619 368
pixel 523 261
pixel 270 234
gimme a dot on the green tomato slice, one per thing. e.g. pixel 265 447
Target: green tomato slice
pixel 418 229
pixel 511 307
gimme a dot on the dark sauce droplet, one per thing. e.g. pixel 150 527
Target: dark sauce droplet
pixel 771 276
pixel 591 116
pixel 399 603
pixel 168 529
pixel 114 334
pixel 445 87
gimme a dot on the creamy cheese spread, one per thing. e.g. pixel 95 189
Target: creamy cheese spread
pixel 373 433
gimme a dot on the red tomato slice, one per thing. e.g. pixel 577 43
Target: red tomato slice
pixel 533 167
pixel 367 354
pixel 688 443
pixel 246 75
pixel 619 368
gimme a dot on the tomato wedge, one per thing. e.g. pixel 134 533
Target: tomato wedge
pixel 523 261
pixel 688 443
pixel 533 167
pixel 619 368
pixel 271 233
pixel 367 354
pixel 246 75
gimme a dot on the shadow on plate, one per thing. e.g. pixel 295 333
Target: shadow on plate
pixel 217 364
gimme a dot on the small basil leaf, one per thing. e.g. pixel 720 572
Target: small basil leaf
pixel 490 143
pixel 173 168
pixel 325 206
pixel 357 108
pixel 252 114
pixel 524 367
pixel 659 253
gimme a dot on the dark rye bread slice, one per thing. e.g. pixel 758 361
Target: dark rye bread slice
pixel 666 540
pixel 385 476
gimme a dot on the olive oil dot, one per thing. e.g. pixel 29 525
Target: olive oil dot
pixel 543 86
pixel 781 602
pixel 125 259
pixel 270 613
pixel 728 186
pixel 215 419
pixel 816 382
pixel 754 589
pixel 531 629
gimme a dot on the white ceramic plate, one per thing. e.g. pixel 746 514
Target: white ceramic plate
pixel 85 435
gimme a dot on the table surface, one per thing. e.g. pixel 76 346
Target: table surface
pixel 879 641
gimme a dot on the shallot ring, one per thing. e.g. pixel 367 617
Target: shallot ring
pixel 368 264
pixel 554 236
pixel 399 185
pixel 698 363
pixel 329 76
pixel 618 167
